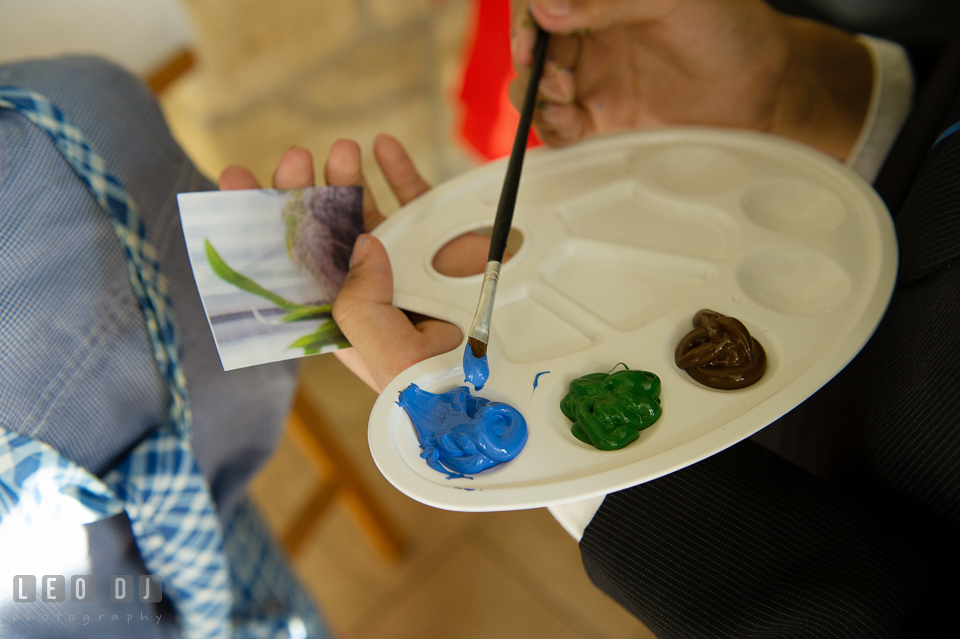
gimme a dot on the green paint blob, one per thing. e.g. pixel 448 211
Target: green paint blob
pixel 608 410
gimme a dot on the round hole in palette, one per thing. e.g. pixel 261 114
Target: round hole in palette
pixel 449 259
pixel 626 237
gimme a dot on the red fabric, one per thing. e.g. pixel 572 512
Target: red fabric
pixel 488 120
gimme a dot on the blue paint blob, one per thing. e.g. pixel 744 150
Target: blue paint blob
pixel 461 434
pixel 537 378
pixel 476 371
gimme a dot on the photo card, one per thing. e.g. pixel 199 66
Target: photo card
pixel 268 265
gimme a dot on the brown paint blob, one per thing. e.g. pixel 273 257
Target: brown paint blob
pixel 720 352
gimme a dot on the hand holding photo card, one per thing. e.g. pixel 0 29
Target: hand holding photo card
pixel 268 265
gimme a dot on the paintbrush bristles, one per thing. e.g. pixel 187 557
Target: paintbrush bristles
pixel 478 348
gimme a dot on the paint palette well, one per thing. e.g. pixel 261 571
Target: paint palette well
pixel 625 238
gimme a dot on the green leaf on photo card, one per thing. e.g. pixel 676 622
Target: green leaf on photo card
pixel 227 274
pixel 309 313
pixel 327 334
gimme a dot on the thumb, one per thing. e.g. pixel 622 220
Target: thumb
pixel 381 333
pixel 365 299
pixel 566 16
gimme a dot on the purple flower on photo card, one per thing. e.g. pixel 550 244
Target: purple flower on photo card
pixel 322 223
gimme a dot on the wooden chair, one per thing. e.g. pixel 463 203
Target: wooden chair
pixel 341 481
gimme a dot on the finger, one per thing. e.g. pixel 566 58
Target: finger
pixel 295 170
pixel 557 124
pixel 398 168
pixel 344 168
pixel 573 16
pixel 560 124
pixel 382 333
pixel 236 177
pixel 564 49
pixel 562 118
pixel 522 37
pixel 557 84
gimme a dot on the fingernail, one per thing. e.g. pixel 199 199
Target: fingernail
pixel 555 7
pixel 360 249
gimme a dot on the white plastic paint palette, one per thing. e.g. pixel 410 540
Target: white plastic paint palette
pixel 625 238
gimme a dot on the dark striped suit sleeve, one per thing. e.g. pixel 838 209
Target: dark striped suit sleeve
pixel 745 544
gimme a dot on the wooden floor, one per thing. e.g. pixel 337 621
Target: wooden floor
pixel 269 75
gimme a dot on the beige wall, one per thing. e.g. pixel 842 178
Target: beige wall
pixel 138 34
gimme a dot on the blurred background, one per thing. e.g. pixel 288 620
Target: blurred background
pixel 239 82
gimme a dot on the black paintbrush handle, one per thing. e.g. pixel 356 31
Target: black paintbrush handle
pixel 508 196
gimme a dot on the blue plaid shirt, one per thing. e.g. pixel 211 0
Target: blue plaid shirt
pixel 79 372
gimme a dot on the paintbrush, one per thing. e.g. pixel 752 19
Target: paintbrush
pixel 480 329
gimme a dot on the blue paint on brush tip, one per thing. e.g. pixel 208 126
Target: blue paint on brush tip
pixel 476 371
pixel 461 434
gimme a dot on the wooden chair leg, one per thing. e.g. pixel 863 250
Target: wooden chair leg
pixel 311 434
pixel 300 529
pixel 168 72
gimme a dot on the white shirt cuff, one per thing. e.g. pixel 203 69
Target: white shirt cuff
pixel 890 101
pixel 576 515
